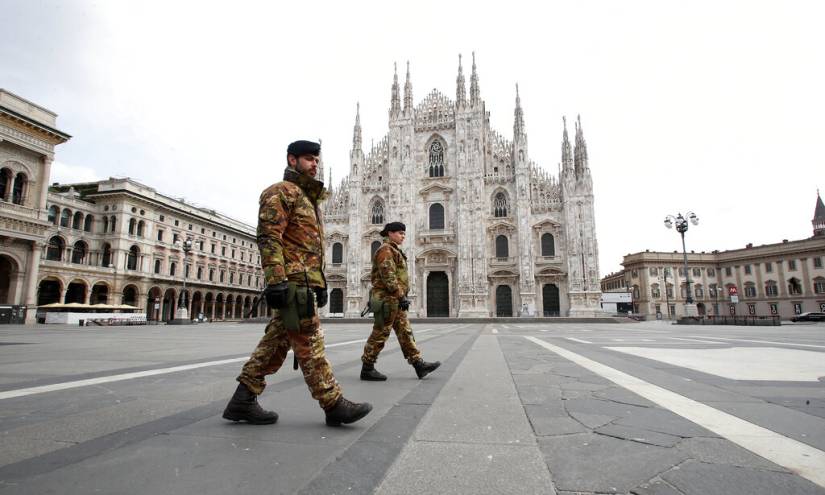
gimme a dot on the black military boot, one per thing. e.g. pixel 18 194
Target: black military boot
pixel 346 412
pixel 370 374
pixel 243 406
pixel 423 368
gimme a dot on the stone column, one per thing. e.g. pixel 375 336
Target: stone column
pixel 32 274
pixel 44 181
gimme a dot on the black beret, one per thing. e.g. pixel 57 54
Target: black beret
pixel 299 148
pixel 393 227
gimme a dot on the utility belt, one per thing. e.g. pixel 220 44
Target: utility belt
pixel 300 305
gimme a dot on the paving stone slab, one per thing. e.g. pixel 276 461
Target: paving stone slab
pixel 624 396
pixel 537 394
pixel 721 451
pixel 485 469
pixel 655 487
pixel 592 421
pixel 696 478
pixel 612 465
pixel 664 421
pixel 547 422
pixel 600 407
pixel 639 435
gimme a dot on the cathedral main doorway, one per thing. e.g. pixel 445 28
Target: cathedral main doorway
pixel 550 300
pixel 438 295
pixel 504 301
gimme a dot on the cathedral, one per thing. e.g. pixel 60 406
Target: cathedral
pixel 489 232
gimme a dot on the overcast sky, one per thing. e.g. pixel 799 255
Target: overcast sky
pixel 715 107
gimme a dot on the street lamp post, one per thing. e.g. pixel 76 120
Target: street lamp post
pixel 716 298
pixel 682 227
pixel 182 313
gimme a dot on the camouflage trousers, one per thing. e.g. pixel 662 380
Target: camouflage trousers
pixel 307 344
pixel 395 319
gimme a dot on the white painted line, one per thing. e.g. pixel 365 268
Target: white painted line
pixel 796 456
pixel 647 340
pixel 137 374
pixel 766 342
pixel 697 340
pixel 494 330
pixel 580 341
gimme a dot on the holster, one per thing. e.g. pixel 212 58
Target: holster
pixel 378 309
pixel 300 305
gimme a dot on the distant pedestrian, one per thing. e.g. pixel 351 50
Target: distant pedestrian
pixel 389 303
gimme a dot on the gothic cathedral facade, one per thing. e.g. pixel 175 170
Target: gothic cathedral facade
pixel 489 232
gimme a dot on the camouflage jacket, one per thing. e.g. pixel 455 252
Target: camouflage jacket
pixel 389 271
pixel 290 231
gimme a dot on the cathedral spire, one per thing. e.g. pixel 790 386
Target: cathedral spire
pixel 819 216
pixel 395 102
pixel 580 151
pixel 356 130
pixel 566 153
pixel 460 89
pixel 408 91
pixel 518 123
pixel 475 96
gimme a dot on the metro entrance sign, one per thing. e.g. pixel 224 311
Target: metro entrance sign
pixel 734 294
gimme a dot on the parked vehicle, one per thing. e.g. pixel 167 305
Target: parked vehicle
pixel 810 316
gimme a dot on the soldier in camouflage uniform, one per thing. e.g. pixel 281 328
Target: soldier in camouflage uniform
pixel 389 303
pixel 290 242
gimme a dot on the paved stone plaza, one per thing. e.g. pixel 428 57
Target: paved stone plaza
pixel 643 408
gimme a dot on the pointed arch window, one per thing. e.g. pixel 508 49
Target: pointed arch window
pixel 436 159
pixel 548 245
pixel 87 223
pixel 132 225
pixel 113 223
pixel 141 226
pixel 105 224
pixel 377 212
pixel 500 206
pixel 436 217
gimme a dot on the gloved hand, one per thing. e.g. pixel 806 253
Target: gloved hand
pixel 404 303
pixel 275 295
pixel 321 296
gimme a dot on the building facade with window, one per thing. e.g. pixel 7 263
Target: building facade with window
pixel 117 241
pixel 784 279
pixel 489 232
pixel 28 137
